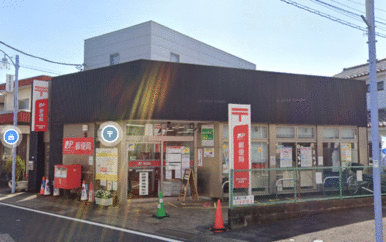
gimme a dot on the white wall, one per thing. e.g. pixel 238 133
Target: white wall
pixel 132 43
pixel 153 41
pixel 23 93
pixel 381 94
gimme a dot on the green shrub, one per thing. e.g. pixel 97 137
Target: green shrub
pixel 20 167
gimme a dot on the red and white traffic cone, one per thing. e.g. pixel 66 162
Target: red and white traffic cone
pixel 83 196
pixel 91 193
pixel 218 223
pixel 42 186
pixel 47 190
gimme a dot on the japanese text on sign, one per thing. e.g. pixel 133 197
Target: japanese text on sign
pixel 78 146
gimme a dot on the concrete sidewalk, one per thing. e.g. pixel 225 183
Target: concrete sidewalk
pixel 190 221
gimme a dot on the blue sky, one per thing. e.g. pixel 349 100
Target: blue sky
pixel 270 33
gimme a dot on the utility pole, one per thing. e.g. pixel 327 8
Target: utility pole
pixel 374 120
pixel 15 110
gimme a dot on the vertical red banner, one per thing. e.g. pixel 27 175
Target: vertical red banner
pixel 241 155
pixel 41 115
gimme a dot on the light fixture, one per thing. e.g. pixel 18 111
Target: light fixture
pixel 5 62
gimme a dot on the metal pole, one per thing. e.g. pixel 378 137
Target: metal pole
pixel 374 120
pixel 15 109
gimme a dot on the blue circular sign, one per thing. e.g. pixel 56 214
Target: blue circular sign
pixel 11 136
pixel 110 133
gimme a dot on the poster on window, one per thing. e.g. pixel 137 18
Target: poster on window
pixel 345 149
pixel 207 135
pixel 305 157
pixel 208 152
pixel 285 157
pixel 106 164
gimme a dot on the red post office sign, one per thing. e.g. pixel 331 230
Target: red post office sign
pixel 39 103
pixel 239 116
pixel 41 115
pixel 78 146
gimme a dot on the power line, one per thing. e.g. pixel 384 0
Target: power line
pixel 40 69
pixel 365 5
pixel 360 11
pixel 40 58
pixel 335 8
pixel 330 17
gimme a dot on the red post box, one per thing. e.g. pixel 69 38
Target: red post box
pixel 68 176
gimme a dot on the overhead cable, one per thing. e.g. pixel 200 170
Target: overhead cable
pixel 40 58
pixel 346 12
pixel 330 17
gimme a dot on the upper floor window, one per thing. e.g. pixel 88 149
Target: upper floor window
pixel 174 57
pixel 24 103
pixel 114 59
pixel 305 133
pixel 380 86
pixel 331 133
pixel 285 132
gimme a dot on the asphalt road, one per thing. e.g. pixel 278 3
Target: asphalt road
pixel 17 224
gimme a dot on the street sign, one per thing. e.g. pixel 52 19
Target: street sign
pixel 11 136
pixel 110 134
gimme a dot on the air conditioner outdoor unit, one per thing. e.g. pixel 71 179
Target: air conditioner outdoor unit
pixel 9 83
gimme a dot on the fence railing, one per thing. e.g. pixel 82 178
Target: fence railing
pixel 291 185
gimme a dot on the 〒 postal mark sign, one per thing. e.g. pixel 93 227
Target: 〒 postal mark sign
pixel 11 136
pixel 239 116
pixel 110 134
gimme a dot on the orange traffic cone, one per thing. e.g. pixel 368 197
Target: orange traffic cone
pixel 218 222
pixel 42 186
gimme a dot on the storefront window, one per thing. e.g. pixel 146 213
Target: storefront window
pixel 135 130
pixel 143 152
pixel 305 133
pixel 285 132
pixel 259 132
pixel 225 157
pixel 331 133
pixel 348 133
pixel 259 155
pixel 225 131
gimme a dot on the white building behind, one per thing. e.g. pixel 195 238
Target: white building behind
pixel 153 41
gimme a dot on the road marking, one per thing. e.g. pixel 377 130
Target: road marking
pixel 27 198
pixel 92 223
pixel 10 195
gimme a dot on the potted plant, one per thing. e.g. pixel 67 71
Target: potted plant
pixel 104 198
pixel 19 173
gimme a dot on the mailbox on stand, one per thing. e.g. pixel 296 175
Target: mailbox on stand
pixel 68 176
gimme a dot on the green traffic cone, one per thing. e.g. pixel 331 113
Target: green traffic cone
pixel 160 209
